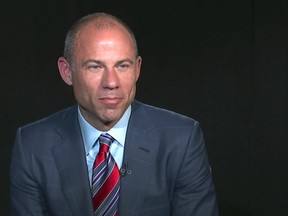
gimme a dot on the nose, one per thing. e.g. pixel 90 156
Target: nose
pixel 110 79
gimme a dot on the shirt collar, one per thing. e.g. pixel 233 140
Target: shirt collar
pixel 91 134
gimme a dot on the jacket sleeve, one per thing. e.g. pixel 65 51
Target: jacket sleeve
pixel 26 196
pixel 194 193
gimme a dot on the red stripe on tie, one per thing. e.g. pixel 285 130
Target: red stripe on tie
pixel 105 185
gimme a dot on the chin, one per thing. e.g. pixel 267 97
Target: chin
pixel 111 117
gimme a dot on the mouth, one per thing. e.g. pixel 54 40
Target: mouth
pixel 110 100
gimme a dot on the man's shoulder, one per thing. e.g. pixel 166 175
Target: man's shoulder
pixel 54 119
pixel 161 115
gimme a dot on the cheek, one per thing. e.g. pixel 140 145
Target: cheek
pixel 131 89
pixel 84 88
pixel 87 81
pixel 130 79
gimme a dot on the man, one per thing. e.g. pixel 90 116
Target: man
pixel 163 164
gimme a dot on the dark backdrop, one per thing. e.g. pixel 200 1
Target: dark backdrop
pixel 222 62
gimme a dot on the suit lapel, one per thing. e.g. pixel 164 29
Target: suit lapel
pixel 137 152
pixel 70 159
pixel 71 162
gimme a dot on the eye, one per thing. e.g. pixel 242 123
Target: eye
pixel 94 67
pixel 123 66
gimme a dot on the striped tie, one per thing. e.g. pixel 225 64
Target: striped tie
pixel 105 180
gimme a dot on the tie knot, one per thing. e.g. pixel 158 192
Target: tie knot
pixel 105 141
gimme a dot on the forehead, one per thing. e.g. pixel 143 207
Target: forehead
pixel 103 44
pixel 91 32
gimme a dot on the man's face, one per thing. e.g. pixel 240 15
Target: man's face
pixel 104 71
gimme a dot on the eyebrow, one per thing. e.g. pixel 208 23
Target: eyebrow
pixel 101 62
pixel 91 61
pixel 125 60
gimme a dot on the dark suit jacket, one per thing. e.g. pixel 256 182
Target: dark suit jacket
pixel 165 152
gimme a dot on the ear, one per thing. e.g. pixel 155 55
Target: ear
pixel 64 70
pixel 138 67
